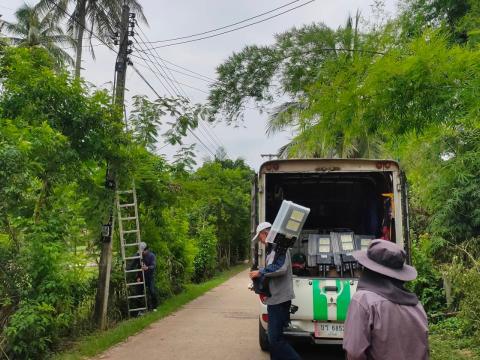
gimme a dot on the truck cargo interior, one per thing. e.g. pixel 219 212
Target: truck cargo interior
pixel 345 205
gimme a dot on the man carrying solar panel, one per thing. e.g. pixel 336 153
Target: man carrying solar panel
pixel 278 270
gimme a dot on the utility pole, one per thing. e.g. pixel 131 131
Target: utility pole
pixel 270 156
pixel 122 58
pixel 105 265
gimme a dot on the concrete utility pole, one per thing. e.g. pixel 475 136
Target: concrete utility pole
pixel 122 59
pixel 103 286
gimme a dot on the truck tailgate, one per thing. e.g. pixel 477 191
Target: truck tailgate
pixel 322 299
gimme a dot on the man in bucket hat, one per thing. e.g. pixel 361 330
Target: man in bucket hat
pixel 385 320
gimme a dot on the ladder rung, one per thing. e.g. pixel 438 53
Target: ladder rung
pixel 126 205
pixel 125 191
pixel 136 296
pixel 132 244
pixel 129 231
pixel 138 309
pixel 129 218
pixel 135 283
pixel 134 270
pixel 132 257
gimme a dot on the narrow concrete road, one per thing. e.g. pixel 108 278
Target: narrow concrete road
pixel 222 324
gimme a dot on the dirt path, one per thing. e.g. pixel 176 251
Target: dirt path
pixel 222 324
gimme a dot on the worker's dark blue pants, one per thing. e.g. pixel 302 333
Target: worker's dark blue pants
pixel 151 293
pixel 278 318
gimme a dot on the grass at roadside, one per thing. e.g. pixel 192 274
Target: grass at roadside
pixel 450 339
pixel 449 348
pixel 98 342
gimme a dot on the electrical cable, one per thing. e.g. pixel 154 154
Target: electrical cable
pixel 186 69
pixel 108 46
pixel 157 75
pixel 157 65
pixel 158 95
pixel 234 29
pixel 210 81
pixel 178 82
pixel 224 27
pixel 201 127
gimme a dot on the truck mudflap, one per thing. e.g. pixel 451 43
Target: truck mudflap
pixel 323 299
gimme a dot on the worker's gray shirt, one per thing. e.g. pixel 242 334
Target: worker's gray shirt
pixel 279 274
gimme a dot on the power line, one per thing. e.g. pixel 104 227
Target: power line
pixel 158 95
pixel 234 29
pixel 224 27
pixel 136 70
pixel 186 69
pixel 173 88
pixel 202 130
pixel 156 75
pixel 171 84
pixel 201 127
pixel 178 82
pixel 211 81
pixel 6 7
pixel 159 68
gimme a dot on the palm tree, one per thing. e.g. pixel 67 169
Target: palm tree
pixel 32 30
pixel 314 137
pixel 100 17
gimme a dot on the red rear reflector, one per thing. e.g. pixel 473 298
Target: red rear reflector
pixel 263 298
pixel 265 317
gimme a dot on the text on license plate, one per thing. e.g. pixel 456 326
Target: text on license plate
pixel 330 330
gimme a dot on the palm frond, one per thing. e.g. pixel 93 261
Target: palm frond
pixel 137 9
pixel 283 116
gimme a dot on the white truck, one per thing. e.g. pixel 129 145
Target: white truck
pixel 351 201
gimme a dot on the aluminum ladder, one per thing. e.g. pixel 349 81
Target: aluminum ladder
pixel 128 223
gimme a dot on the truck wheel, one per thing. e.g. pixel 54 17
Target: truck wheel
pixel 262 337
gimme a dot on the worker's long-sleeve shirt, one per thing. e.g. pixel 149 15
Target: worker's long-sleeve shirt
pixel 378 329
pixel 279 273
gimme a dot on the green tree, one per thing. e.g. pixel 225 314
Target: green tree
pixel 309 65
pixel 32 29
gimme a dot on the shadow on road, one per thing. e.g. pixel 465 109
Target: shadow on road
pixel 319 352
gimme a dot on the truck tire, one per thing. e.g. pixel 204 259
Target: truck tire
pixel 263 337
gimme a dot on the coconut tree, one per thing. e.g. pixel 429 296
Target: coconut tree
pixel 32 29
pixel 90 19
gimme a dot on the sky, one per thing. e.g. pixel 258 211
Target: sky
pixel 171 19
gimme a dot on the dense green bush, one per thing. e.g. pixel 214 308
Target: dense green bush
pixel 204 263
pixel 56 135
pixel 33 329
pixel 429 283
pixel 470 302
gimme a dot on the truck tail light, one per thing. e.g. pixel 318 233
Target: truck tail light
pixel 263 299
pixel 265 317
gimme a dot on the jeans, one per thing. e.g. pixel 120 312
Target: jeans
pixel 151 293
pixel 278 318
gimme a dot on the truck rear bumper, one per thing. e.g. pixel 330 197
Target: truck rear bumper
pixel 295 334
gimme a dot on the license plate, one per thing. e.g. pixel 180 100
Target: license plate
pixel 328 330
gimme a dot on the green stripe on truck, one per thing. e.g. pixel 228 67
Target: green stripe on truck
pixel 343 299
pixel 320 307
